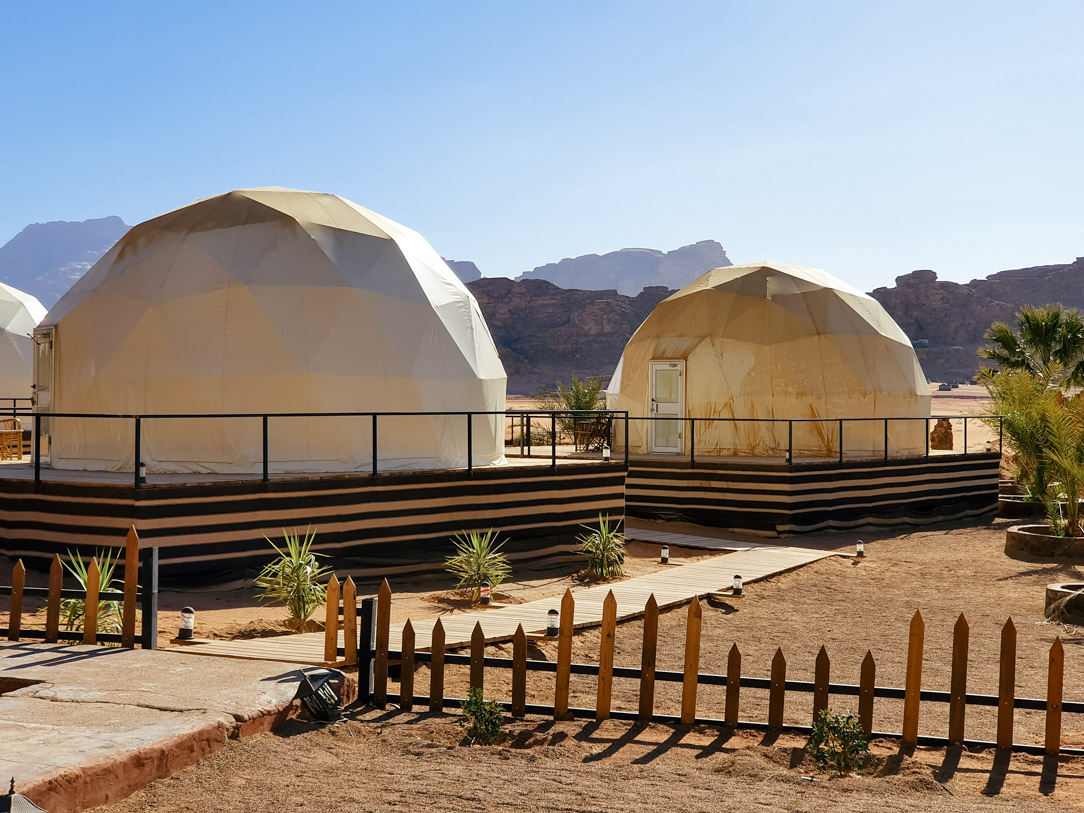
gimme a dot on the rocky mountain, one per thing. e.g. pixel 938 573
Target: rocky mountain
pixel 45 259
pixel 630 270
pixel 464 269
pixel 946 320
pixel 545 333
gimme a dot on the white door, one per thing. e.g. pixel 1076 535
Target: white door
pixel 667 399
pixel 43 367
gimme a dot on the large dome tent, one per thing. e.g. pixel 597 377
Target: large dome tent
pixel 20 313
pixel 272 301
pixel 774 343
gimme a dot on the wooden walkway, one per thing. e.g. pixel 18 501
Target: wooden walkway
pixel 688 540
pixel 672 585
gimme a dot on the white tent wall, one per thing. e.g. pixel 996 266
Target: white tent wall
pixel 783 343
pixel 20 313
pixel 273 301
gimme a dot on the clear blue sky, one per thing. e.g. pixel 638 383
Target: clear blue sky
pixel 865 138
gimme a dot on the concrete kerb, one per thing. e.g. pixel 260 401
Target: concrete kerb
pixel 85 726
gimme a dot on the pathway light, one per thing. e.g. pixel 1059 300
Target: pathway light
pixel 552 623
pixel 737 586
pixel 188 624
pixel 485 593
pixel 664 555
pixel 860 549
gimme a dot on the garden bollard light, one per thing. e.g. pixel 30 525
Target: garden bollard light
pixel 664 555
pixel 142 473
pixel 860 549
pixel 552 625
pixel 736 590
pixel 606 452
pixel 484 595
pixel 188 624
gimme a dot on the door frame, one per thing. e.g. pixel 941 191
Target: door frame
pixel 679 415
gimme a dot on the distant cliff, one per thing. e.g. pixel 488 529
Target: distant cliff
pixel 630 270
pixel 465 270
pixel 46 259
pixel 545 333
pixel 950 317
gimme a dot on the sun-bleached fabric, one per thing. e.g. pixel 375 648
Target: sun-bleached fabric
pixel 20 313
pixel 273 300
pixel 767 340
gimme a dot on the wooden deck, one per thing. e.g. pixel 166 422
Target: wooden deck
pixel 671 586
pixel 689 541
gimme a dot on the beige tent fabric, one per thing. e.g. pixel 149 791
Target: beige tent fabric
pixel 273 300
pixel 20 313
pixel 767 340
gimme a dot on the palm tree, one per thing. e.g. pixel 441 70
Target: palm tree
pixel 1048 343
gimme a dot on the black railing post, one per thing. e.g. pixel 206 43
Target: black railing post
pixel 522 440
pixel 626 439
pixel 553 440
pixel 148 588
pixel 530 428
pixel 692 442
pixel 138 452
pixel 886 438
pixel 366 645
pixel 965 436
pixel 265 467
pixel 37 451
pixel 790 442
pixel 927 434
pixel 841 440
pixel 1000 433
pixel 470 442
pixel 374 444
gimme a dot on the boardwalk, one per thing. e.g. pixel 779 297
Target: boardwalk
pixel 672 585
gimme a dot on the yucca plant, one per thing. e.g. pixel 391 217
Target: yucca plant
pixel 295 578
pixel 604 548
pixel 478 559
pixel 74 610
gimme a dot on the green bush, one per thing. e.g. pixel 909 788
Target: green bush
pixel 604 548
pixel 295 577
pixel 838 742
pixel 74 610
pixel 478 559
pixel 482 721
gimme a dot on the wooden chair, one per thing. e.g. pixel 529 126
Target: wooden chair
pixel 11 439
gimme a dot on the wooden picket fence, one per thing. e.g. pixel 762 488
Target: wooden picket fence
pixel 374 658
pixel 140 591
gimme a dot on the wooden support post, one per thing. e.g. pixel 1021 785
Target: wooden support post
pixel 692 661
pixel 436 669
pixel 131 589
pixel 331 621
pixel 913 682
pixel 350 623
pixel 406 669
pixel 383 632
pixel 958 682
pixel 777 691
pixel 15 617
pixel 648 658
pixel 606 657
pixel 1006 685
pixel 52 610
pixel 564 656
pixel 866 681
pixel 477 656
pixel 1053 697
pixel 733 687
pixel 519 673
pixel 90 606
pixel 820 684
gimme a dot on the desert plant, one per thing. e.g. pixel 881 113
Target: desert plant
pixel 478 559
pixel 1047 344
pixel 838 742
pixel 73 610
pixel 604 548
pixel 578 396
pixel 294 577
pixel 1025 404
pixel 1064 456
pixel 481 720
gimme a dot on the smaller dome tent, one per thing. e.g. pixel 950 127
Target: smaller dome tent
pixel 20 313
pixel 273 301
pixel 774 343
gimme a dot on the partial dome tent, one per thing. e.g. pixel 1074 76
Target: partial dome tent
pixel 20 313
pixel 269 301
pixel 771 342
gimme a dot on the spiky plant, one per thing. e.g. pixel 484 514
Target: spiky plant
pixel 295 577
pixel 579 396
pixel 1024 403
pixel 74 610
pixel 478 559
pixel 1064 455
pixel 1047 343
pixel 604 548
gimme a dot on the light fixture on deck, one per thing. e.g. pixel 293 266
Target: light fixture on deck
pixel 319 697
pixel 485 593
pixel 989 446
pixel 664 555
pixel 552 623
pixel 606 452
pixel 142 473
pixel 12 802
pixel 860 549
pixel 736 590
pixel 188 624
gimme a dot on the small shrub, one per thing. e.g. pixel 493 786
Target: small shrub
pixel 838 742
pixel 74 609
pixel 481 720
pixel 478 559
pixel 604 548
pixel 294 578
